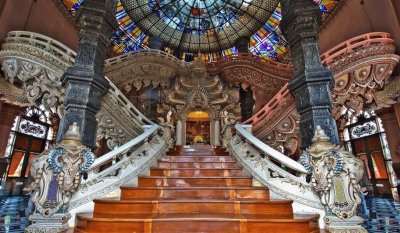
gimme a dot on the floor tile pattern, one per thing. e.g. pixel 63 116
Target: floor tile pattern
pixel 384 215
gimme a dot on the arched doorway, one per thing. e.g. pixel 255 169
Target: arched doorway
pixel 198 128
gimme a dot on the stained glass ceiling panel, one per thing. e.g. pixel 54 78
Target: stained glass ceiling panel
pixel 210 26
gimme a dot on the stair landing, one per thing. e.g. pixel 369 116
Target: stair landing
pixel 192 190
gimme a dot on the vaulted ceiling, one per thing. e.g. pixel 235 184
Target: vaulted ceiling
pixel 207 26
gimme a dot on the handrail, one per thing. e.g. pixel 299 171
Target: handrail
pixel 283 159
pixel 327 58
pixel 57 57
pixel 124 148
pixel 144 52
pixel 249 57
pixel 354 43
pixel 270 106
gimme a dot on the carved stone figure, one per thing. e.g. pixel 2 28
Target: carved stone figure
pixel 228 120
pixel 57 173
pixel 168 129
pixel 336 176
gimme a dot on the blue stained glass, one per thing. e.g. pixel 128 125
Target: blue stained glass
pixel 202 17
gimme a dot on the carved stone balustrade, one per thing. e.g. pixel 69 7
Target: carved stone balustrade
pixel 361 67
pixel 34 63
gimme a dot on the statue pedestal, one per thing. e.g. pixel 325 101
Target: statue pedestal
pixel 54 223
pixel 350 225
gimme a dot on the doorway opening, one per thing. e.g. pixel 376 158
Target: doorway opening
pixel 366 139
pixel 198 128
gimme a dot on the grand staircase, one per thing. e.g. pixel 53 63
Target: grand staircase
pixel 196 189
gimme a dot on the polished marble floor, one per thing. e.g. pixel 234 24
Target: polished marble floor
pixel 384 215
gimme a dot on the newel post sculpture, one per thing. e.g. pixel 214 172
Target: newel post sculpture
pixel 335 177
pixel 57 172
pixel 335 173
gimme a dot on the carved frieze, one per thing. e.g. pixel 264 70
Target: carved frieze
pixel 33 66
pixel 361 78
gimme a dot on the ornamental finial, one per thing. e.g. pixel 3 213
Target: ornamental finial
pixel 319 135
pixel 73 135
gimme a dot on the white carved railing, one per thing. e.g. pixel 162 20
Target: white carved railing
pixel 38 62
pixel 126 163
pixel 35 63
pixel 282 175
pixel 143 53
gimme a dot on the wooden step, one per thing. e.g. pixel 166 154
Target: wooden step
pixel 211 165
pixel 227 193
pixel 196 172
pixel 158 181
pixel 182 158
pixel 196 223
pixel 193 206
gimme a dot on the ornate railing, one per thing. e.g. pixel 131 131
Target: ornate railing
pixel 216 65
pixel 35 63
pixel 144 53
pixel 359 65
pixel 355 43
pixel 125 163
pixel 282 175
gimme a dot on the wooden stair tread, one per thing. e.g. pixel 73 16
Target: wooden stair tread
pixel 197 217
pixel 195 168
pixel 191 177
pixel 247 201
pixel 196 188
pixel 196 161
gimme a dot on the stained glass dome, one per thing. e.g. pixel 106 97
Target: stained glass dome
pixel 199 25
pixel 210 26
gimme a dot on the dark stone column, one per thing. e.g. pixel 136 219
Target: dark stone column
pixel 242 44
pixel 84 82
pixel 246 102
pixel 311 83
pixel 156 43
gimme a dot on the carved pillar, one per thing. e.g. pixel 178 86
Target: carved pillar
pixel 178 133
pixel 246 101
pixel 84 82
pixel 217 132
pixel 8 113
pixel 183 132
pixel 212 132
pixel 311 83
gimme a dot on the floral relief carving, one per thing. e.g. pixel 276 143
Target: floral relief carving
pixel 35 70
pixel 359 77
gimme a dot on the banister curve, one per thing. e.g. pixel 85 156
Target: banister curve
pixel 283 159
pixel 327 58
pixel 124 148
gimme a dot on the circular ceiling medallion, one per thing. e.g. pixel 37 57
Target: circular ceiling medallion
pixel 199 25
